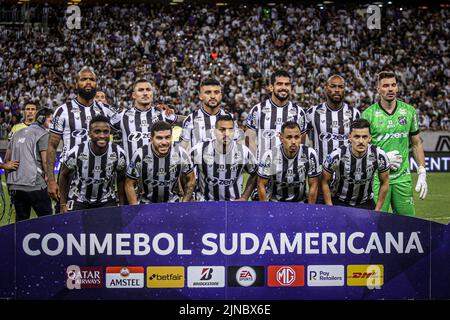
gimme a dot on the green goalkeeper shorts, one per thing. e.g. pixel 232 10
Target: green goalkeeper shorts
pixel 399 198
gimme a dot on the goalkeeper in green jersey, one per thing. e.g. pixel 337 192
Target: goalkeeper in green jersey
pixel 394 127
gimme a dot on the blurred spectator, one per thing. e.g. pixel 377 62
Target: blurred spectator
pixel 176 46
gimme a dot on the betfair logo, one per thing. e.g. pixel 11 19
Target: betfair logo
pixel 165 277
pixel 371 276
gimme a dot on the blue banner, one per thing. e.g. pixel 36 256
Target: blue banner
pixel 226 251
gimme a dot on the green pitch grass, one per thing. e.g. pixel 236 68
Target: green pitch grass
pixel 436 207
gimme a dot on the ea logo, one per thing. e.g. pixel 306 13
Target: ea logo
pixel 246 276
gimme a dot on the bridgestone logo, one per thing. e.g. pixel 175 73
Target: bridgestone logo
pixel 206 283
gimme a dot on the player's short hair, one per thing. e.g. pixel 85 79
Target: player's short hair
pixel 290 125
pixel 359 124
pixel 160 126
pixel 385 75
pixel 42 114
pixel 98 118
pixel 335 76
pixel 84 69
pixel 224 117
pixel 27 103
pixel 141 81
pixel 279 73
pixel 210 82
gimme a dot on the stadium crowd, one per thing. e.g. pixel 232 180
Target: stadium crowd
pixel 177 46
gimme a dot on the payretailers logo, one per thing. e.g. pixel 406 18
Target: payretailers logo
pixel 83 277
pixel 165 277
pixel 371 276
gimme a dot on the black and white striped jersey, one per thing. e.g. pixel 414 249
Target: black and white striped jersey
pixel 354 176
pixel 159 175
pixel 94 175
pixel 71 120
pixel 199 126
pixel 136 125
pixel 221 176
pixel 329 128
pixel 266 118
pixel 287 177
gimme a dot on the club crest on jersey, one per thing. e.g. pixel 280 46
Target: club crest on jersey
pixel 334 124
pixel 97 169
pixel 222 168
pixel 402 120
pixel 161 172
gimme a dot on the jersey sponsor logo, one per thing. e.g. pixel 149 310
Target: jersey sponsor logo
pixel 286 276
pixel 206 277
pixel 137 136
pixel 125 277
pixel 371 276
pixel 83 277
pixel 79 133
pixel 327 136
pixel 90 180
pixel 157 183
pixel 397 135
pixel 268 134
pixel 219 182
pixel 246 276
pixel 325 276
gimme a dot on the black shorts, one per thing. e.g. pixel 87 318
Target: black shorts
pixel 73 205
pixel 368 205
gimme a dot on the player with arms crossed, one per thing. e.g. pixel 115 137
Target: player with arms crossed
pixel 355 166
pixel 95 165
pixel 221 163
pixel 394 127
pixel 287 167
pixel 159 165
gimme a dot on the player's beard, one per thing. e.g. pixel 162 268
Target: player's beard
pixel 279 97
pixel 87 94
pixel 335 100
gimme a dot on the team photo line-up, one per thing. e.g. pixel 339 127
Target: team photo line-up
pixel 137 155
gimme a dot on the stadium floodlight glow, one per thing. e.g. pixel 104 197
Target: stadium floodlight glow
pixel 380 5
pixel 401 9
pixel 221 4
pixel 389 2
pixel 178 1
pixel 271 4
pixel 328 2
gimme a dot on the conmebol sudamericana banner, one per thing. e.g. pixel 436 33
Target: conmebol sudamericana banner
pixel 225 250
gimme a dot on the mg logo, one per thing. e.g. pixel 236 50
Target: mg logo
pixel 286 276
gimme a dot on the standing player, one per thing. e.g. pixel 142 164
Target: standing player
pixel 221 163
pixel 27 184
pixel 394 127
pixel 355 166
pixel 29 116
pixel 200 124
pixel 71 121
pixel 329 122
pixel 266 118
pixel 287 167
pixel 135 123
pixel 95 164
pixel 159 165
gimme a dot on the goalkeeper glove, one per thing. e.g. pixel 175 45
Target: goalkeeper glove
pixel 395 159
pixel 421 185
